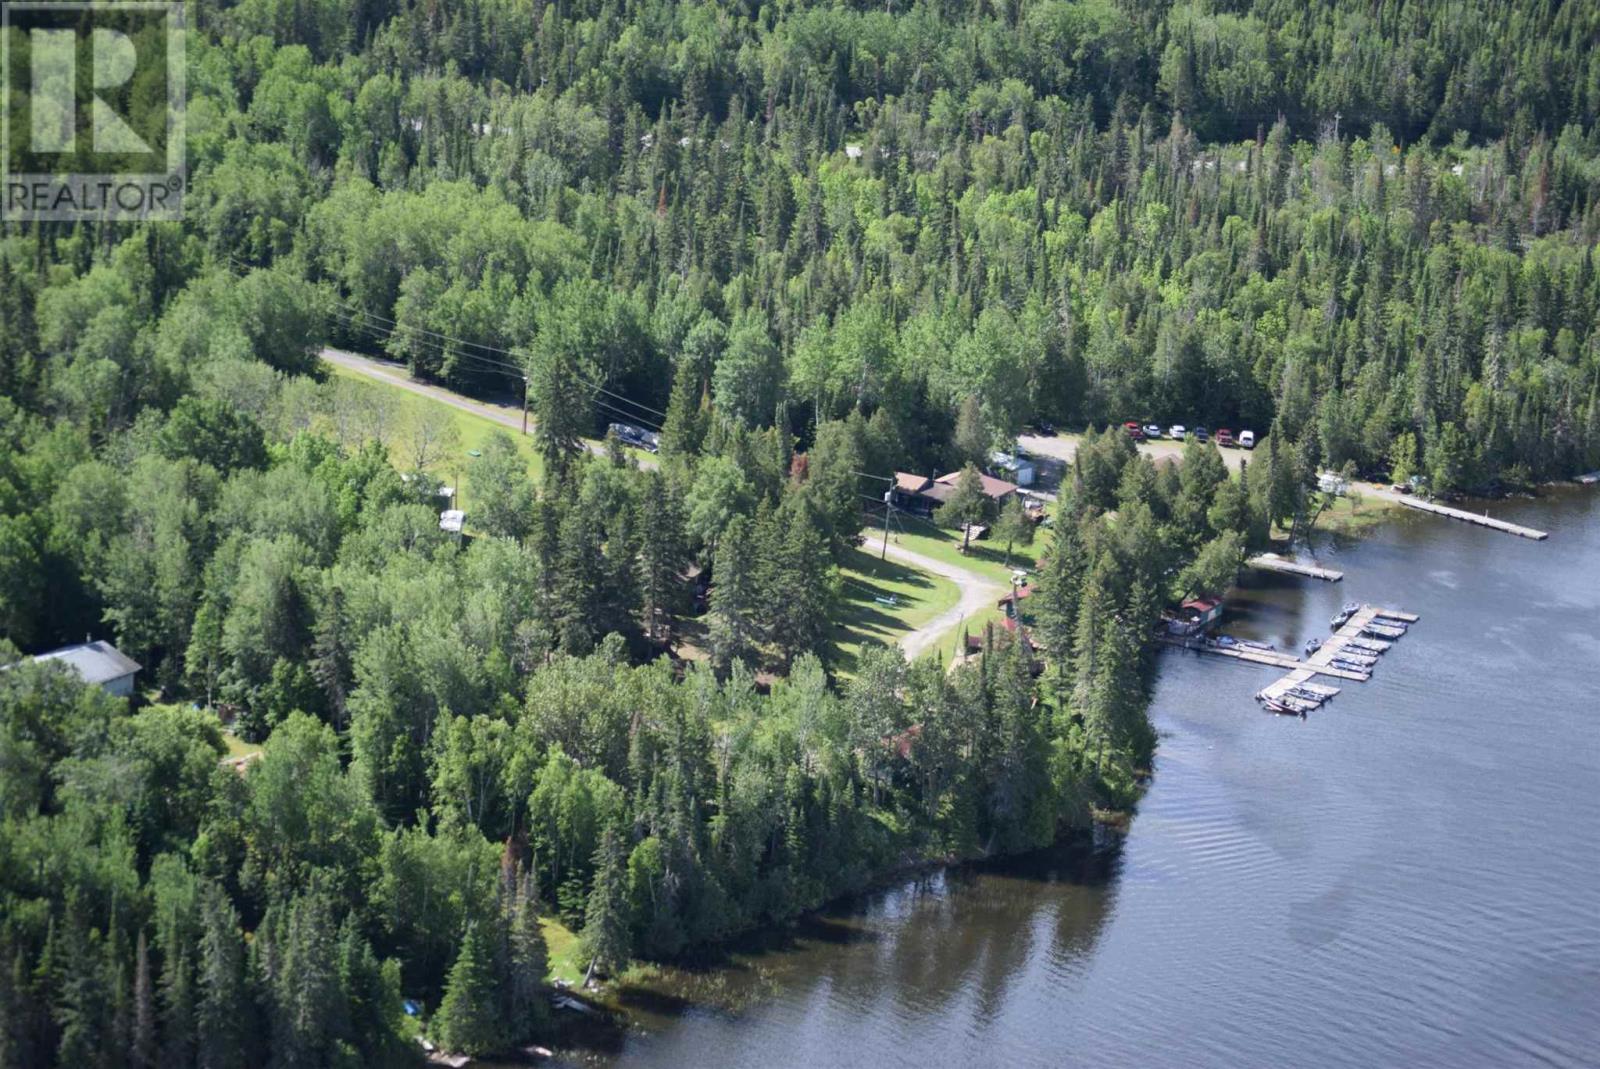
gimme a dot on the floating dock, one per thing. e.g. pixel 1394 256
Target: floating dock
pixel 1274 659
pixel 1298 691
pixel 1348 637
pixel 1484 520
pixel 1272 562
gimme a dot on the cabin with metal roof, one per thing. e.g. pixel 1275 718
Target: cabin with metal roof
pixel 98 662
pixel 920 494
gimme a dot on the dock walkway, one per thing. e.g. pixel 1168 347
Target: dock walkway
pixel 1299 686
pixel 1473 517
pixel 1272 562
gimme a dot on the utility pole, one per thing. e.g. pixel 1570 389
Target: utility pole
pixel 888 511
pixel 524 405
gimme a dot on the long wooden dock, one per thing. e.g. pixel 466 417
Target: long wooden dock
pixel 1298 690
pixel 1348 637
pixel 1272 562
pixel 1484 520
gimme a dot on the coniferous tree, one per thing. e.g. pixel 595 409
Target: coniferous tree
pixel 222 1010
pixel 734 597
pixel 527 956
pixel 469 1020
pixel 144 1050
pixel 965 506
pixel 798 591
pixel 684 429
pixel 661 554
pixel 606 936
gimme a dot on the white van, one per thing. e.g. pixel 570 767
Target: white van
pixel 1247 439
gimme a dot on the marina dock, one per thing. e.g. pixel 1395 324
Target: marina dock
pixel 1352 643
pixel 1298 683
pixel 1272 562
pixel 1473 517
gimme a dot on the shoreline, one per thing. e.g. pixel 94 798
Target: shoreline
pixel 618 1005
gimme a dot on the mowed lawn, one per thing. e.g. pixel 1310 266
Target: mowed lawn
pixel 986 557
pixel 881 600
pixel 471 428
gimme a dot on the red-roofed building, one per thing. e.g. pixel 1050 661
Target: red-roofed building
pixel 1196 616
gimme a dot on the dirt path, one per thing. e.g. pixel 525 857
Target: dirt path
pixel 977 595
pixel 503 413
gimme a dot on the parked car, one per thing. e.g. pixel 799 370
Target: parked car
pixel 637 437
pixel 1135 431
pixel 1177 432
pixel 1247 439
pixel 1152 431
pixel 1045 428
pixel 1202 435
pixel 1224 436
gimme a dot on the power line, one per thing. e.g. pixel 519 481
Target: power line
pixel 503 352
pixel 519 368
pixel 393 326
pixel 485 363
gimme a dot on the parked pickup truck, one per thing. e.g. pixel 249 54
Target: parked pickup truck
pixel 1224 437
pixel 1135 431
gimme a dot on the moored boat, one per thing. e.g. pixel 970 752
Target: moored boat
pixel 1347 610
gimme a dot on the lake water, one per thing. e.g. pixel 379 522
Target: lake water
pixel 1410 876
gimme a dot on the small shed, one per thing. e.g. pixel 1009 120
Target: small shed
pixel 1196 616
pixel 98 662
pixel 452 520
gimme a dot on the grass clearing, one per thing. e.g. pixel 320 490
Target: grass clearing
pixel 917 597
pixel 566 953
pixel 985 558
pixel 1347 517
pixel 237 747
pixel 471 428
pixel 951 644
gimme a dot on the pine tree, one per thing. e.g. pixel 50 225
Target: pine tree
pixel 307 1007
pixel 177 1005
pixel 81 1002
pixel 469 1020
pixel 580 586
pixel 221 1014
pixel 606 936
pixel 527 956
pixel 734 596
pixel 144 1007
pixel 798 593
pixel 330 665
pixel 684 429
pixel 661 554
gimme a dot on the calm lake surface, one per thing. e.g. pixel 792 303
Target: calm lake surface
pixel 1410 876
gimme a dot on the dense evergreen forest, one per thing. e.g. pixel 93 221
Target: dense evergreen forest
pixel 804 242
